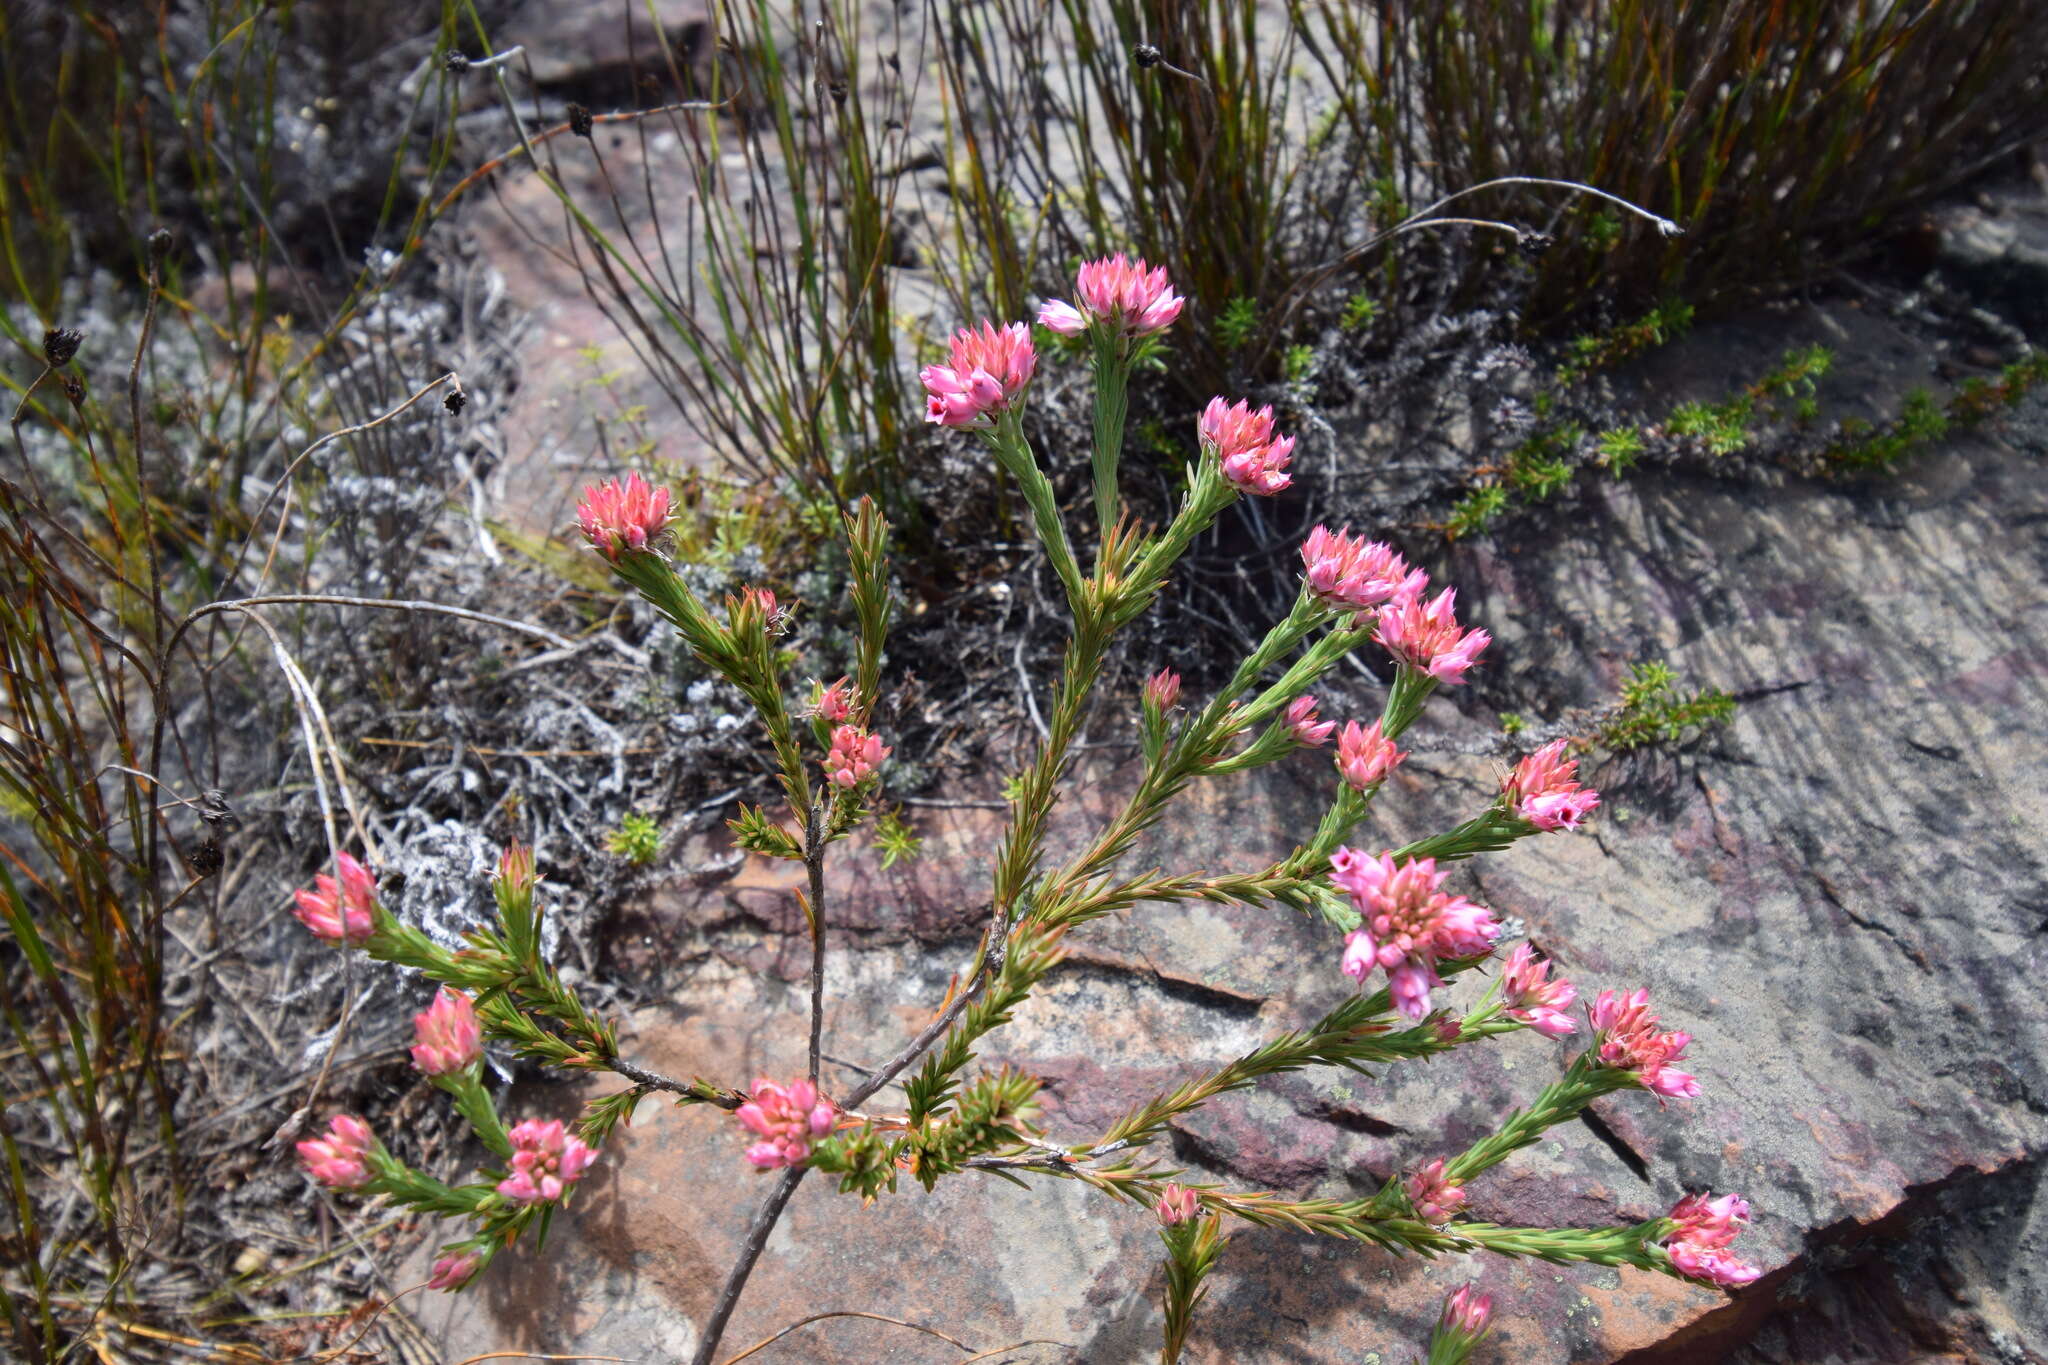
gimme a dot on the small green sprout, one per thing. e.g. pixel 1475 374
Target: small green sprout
pixel 637 839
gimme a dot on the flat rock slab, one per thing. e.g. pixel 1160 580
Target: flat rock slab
pixel 1841 896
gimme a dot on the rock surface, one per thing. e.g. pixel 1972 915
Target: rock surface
pixel 1841 896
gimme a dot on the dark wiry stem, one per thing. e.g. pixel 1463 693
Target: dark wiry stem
pixel 736 1278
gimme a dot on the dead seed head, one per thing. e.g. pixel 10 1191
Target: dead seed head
pixel 455 402
pixel 455 62
pixel 74 389
pixel 60 344
pixel 579 120
pixel 160 244
pixel 1146 55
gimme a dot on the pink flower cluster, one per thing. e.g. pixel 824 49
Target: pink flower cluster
pixel 1253 458
pixel 1131 297
pixel 1435 1196
pixel 546 1161
pixel 1527 993
pixel 339 912
pixel 1466 1313
pixel 449 1037
pixel 1365 755
pixel 1699 1244
pixel 1425 636
pixel 1351 574
pixel 835 703
pixel 622 518
pixel 1409 926
pixel 1309 731
pixel 854 756
pixel 1629 1040
pixel 1177 1204
pixel 787 1118
pixel 986 371
pixel 340 1159
pixel 1543 789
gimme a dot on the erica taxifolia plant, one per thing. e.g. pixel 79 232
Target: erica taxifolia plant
pixel 1394 928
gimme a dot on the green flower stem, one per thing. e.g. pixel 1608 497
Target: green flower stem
pixel 1359 1032
pixel 1112 387
pixel 1584 1081
pixel 1191 1251
pixel 1354 1220
pixel 1013 454
pixel 473 1102
pixel 391 1177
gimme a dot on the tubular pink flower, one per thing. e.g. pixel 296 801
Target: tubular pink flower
pixel 1543 789
pixel 546 1161
pixel 1528 994
pixel 1435 1198
pixel 1162 689
pixel 1466 1312
pixel 454 1271
pixel 1132 298
pixel 985 374
pixel 787 1117
pixel 1356 575
pixel 450 1038
pixel 1365 756
pixel 1252 458
pixel 622 518
pixel 1629 1039
pixel 339 912
pixel 1409 926
pixel 1426 636
pixel 835 703
pixel 1309 731
pixel 340 1159
pixel 1177 1204
pixel 1698 1246
pixel 854 756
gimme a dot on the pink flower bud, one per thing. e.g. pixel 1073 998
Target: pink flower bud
pixel 340 912
pixel 835 703
pixel 1309 731
pixel 1426 636
pixel 788 1117
pixel 1129 297
pixel 1251 456
pixel 450 1038
pixel 1698 1246
pixel 340 1159
pixel 1435 1196
pixel 515 875
pixel 1466 1312
pixel 453 1271
pixel 986 373
pixel 546 1161
pixel 854 756
pixel 1177 1204
pixel 1162 689
pixel 1365 756
pixel 622 518
pixel 1544 791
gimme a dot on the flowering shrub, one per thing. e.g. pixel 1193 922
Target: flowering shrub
pixel 1387 909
